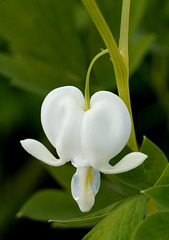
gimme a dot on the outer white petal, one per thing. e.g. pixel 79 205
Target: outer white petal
pixel 106 129
pixel 61 116
pixel 39 151
pixel 84 185
pixel 130 161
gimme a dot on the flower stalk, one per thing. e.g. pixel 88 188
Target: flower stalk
pixel 119 55
pixel 124 29
pixel 87 87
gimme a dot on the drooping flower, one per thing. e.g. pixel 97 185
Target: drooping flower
pixel 88 139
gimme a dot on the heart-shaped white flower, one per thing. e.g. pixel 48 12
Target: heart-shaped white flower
pixel 89 139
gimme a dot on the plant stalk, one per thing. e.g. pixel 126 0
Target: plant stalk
pixel 119 56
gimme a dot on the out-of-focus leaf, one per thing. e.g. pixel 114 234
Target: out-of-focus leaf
pixel 158 81
pixel 49 204
pixel 59 206
pixel 49 47
pixel 159 194
pixel 120 187
pixel 152 109
pixel 137 11
pixel 45 51
pixel 153 227
pixel 15 112
pixel 156 20
pixel 149 172
pixel 62 174
pixel 139 47
pixel 15 191
pixel 120 223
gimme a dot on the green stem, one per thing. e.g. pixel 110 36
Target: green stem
pixel 120 66
pixel 124 29
pixel 108 38
pixel 123 48
pixel 87 89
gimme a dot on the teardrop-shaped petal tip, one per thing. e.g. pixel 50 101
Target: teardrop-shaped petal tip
pixel 87 206
pixel 127 163
pixel 25 143
pixel 84 186
pixel 39 151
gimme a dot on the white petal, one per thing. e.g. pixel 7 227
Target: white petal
pixel 39 151
pixel 106 129
pixel 61 116
pixel 84 185
pixel 130 161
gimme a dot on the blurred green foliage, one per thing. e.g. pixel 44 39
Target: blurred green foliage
pixel 45 44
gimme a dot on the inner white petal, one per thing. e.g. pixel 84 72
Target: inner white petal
pixel 84 186
pixel 96 181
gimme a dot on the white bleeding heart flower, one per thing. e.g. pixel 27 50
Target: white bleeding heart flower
pixel 89 139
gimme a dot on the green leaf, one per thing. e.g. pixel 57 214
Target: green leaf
pixel 15 190
pixel 137 11
pixel 62 174
pixel 120 187
pixel 159 194
pixel 139 46
pixel 156 162
pixel 164 178
pixel 60 207
pixel 44 49
pixel 156 22
pixel 120 223
pixel 49 204
pixel 149 172
pixel 154 227
pixel 89 218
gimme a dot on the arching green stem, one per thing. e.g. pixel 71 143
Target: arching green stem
pixel 87 90
pixel 119 55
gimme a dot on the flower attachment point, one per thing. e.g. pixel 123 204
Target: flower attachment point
pixel 88 139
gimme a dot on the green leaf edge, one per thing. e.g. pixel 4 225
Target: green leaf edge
pixel 163 179
pixel 91 218
pixel 146 192
pixel 86 237
pixel 144 222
